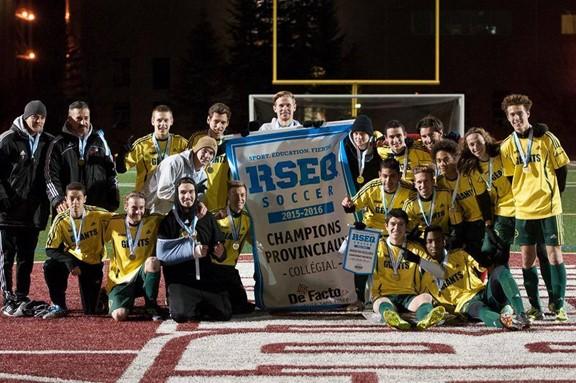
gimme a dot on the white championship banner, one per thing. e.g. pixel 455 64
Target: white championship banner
pixel 295 183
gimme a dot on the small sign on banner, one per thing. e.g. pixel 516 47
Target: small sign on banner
pixel 361 250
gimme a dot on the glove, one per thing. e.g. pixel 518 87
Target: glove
pixel 359 225
pixel 410 256
pixel 312 124
pixel 127 147
pixel 493 237
pixel 252 126
pixel 5 204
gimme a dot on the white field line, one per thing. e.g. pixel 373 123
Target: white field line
pixel 66 352
pixel 31 378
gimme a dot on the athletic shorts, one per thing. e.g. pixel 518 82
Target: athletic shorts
pixel 545 230
pixel 123 295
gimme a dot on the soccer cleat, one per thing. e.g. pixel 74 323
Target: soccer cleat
pixel 434 318
pixel 20 306
pixel 535 314
pixel 561 315
pixel 392 319
pixel 514 322
pixel 55 311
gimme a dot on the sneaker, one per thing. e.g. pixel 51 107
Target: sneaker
pixel 434 318
pixel 55 311
pixel 10 308
pixel 535 314
pixel 392 319
pixel 20 306
pixel 561 315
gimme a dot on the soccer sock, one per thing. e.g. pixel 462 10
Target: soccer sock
pixel 385 306
pixel 531 284
pixel 151 284
pixel 510 289
pixel 479 310
pixel 423 310
pixel 545 270
pixel 558 284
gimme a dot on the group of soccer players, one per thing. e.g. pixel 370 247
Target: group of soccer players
pixel 460 203
pixel 449 209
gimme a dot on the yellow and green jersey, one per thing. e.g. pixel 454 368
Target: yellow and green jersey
pixel 146 155
pixel 460 284
pixel 499 188
pixel 438 206
pixel 535 189
pixel 411 157
pixel 122 269
pixel 218 173
pixel 237 232
pixel 91 228
pixel 463 192
pixel 369 199
pixel 406 279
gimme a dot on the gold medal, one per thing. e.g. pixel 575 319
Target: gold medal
pixel 360 179
pixel 396 276
pixel 209 169
pixel 132 256
pixel 81 162
pixel 526 169
pixel 194 235
pixel 236 245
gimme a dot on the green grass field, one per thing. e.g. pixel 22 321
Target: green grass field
pixel 126 182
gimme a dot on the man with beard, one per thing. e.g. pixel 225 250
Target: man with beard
pixel 186 246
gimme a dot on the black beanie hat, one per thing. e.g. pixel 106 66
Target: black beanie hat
pixel 34 107
pixel 363 123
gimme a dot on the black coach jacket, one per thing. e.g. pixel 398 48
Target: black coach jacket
pixel 23 200
pixel 96 170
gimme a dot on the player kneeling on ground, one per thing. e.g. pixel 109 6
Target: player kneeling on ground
pixel 186 244
pixel 75 246
pixel 397 278
pixel 461 291
pixel 134 269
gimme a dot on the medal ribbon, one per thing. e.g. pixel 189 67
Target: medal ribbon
pixel 524 157
pixel 361 158
pixel 426 220
pixel 235 232
pixel 190 229
pixel 455 191
pixel 386 210
pixel 82 141
pixel 393 260
pixel 33 141
pixel 133 243
pixel 488 181
pixel 76 234
pixel 161 154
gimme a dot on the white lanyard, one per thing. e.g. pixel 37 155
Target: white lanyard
pixel 161 154
pixel 235 232
pixel 77 233
pixel 33 141
pixel 386 210
pixel 191 230
pixel 395 261
pixel 133 243
pixel 427 220
pixel 82 141
pixel 488 181
pixel 455 191
pixel 524 157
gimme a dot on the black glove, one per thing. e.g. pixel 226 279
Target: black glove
pixel 410 256
pixel 494 239
pixel 350 209
pixel 127 147
pixel 252 126
pixel 5 204
pixel 312 124
pixel 359 225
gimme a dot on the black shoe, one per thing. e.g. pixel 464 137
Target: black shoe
pixel 157 313
pixel 10 308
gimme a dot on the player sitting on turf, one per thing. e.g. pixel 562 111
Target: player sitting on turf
pixel 397 278
pixel 461 291
pixel 134 269
pixel 185 246
pixel 75 246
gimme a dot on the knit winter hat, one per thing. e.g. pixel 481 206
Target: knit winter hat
pixel 205 142
pixel 363 123
pixel 34 107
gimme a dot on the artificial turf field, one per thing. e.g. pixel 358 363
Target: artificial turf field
pixel 284 347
